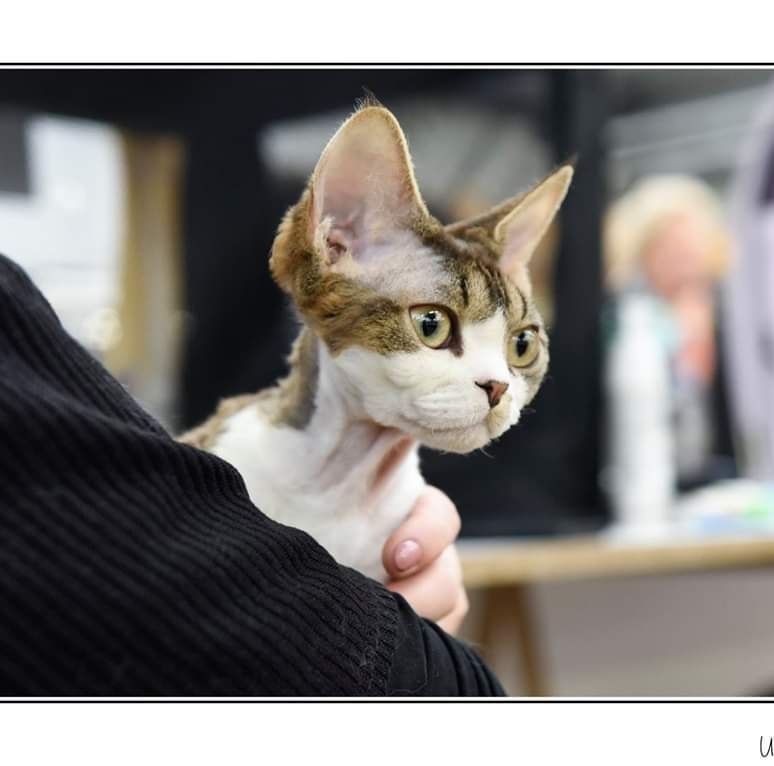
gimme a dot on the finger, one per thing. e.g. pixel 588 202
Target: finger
pixel 434 591
pixel 451 622
pixel 430 528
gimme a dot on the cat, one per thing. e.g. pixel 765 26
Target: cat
pixel 413 333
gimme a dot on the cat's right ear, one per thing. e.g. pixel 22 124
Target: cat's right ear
pixel 363 189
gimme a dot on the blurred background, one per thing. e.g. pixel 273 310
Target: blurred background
pixel 618 540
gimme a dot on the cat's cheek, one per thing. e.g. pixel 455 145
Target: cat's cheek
pixel 417 372
pixel 501 420
pixel 520 395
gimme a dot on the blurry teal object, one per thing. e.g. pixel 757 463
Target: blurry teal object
pixel 738 506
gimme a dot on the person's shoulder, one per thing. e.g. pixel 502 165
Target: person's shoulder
pixel 11 274
pixel 19 297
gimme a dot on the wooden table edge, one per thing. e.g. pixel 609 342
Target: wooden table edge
pixel 519 562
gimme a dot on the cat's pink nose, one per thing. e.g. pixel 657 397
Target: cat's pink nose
pixel 494 391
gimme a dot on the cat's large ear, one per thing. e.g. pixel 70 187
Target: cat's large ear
pixel 519 232
pixel 519 223
pixel 363 188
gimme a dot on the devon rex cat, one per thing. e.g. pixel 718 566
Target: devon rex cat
pixel 413 333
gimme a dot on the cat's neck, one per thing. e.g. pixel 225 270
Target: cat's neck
pixel 311 458
pixel 339 438
pixel 310 430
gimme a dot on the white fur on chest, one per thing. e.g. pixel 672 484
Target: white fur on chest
pixel 321 480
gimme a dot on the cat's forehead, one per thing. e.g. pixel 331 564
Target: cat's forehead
pixel 477 287
pixel 365 301
pixel 429 265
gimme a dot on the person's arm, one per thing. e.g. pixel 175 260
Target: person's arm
pixel 134 565
pixel 429 662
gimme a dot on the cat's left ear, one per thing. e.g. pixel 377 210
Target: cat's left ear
pixel 519 232
pixel 363 188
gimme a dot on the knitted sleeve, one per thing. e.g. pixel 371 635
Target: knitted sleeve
pixel 133 565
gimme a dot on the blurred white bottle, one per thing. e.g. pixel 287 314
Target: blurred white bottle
pixel 641 466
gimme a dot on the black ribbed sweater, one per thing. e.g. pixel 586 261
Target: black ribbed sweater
pixel 134 565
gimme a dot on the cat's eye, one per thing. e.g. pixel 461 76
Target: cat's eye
pixel 523 348
pixel 433 325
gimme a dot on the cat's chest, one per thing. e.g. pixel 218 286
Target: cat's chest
pixel 349 500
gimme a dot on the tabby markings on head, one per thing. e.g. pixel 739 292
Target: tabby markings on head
pixel 431 326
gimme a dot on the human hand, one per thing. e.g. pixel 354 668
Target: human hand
pixel 422 562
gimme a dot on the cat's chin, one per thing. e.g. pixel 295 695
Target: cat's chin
pixel 460 439
pixel 457 440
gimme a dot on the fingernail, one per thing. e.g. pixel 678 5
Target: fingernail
pixel 407 554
